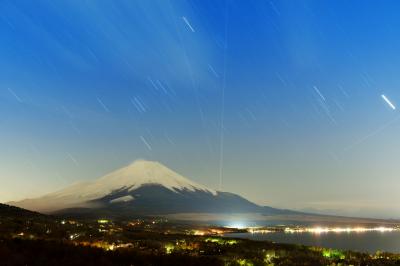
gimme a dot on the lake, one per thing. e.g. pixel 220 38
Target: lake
pixel 365 241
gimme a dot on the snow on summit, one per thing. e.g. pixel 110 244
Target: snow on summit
pixel 131 177
pixel 141 173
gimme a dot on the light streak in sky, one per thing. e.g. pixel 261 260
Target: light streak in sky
pixel 380 129
pixel 103 105
pixel 145 142
pixel 188 24
pixel 319 93
pixel 73 159
pixel 388 102
pixel 153 84
pixel 213 71
pixel 138 104
pixel 274 8
pixel 15 95
pixel 222 126
pixel 373 133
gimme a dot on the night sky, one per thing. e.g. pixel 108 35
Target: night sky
pixel 279 101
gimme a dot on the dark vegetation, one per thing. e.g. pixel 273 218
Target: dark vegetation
pixel 41 252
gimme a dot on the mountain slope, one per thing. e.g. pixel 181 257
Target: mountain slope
pixel 157 200
pixel 142 188
pixel 138 174
pixel 7 211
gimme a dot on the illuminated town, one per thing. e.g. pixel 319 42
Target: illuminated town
pixel 169 242
pixel 320 230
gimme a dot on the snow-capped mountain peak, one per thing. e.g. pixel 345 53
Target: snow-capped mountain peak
pixel 143 172
pixel 138 174
pixel 131 177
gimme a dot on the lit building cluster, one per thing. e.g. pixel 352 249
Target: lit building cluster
pixel 158 238
pixel 319 230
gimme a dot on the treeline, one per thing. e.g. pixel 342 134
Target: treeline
pixel 41 252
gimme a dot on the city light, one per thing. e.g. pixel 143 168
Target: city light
pixel 320 230
pixel 238 225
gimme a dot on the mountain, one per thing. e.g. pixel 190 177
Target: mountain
pixel 141 188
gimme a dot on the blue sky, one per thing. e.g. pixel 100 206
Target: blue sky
pixel 89 86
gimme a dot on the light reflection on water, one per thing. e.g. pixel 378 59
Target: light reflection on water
pixel 369 241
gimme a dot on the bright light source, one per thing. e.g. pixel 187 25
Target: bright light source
pixel 237 225
pixel 388 102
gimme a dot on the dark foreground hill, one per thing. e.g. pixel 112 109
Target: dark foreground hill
pixel 8 211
